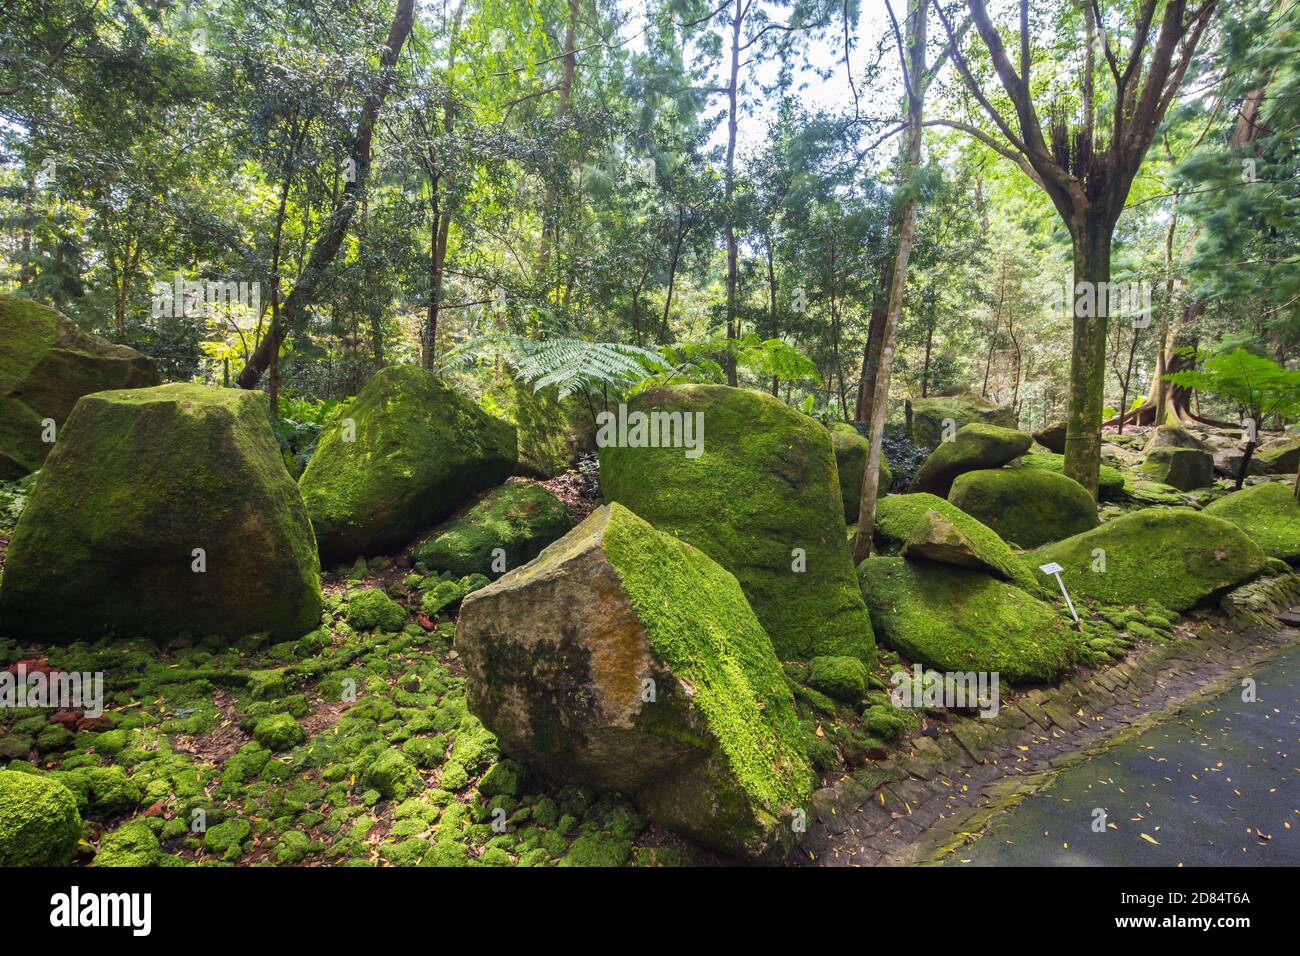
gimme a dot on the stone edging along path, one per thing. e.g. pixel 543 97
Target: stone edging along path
pixel 938 793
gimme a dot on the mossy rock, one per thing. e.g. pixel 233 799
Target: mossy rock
pixel 840 678
pixel 1173 436
pixel 930 415
pixel 850 461
pixel 403 456
pixel 551 431
pixel 520 518
pixel 39 822
pixel 1110 482
pixel 1181 468
pixel 973 447
pixel 1025 506
pixel 1269 513
pixel 626 659
pixel 1282 458
pixel 279 732
pixel 765 485
pixel 132 844
pixel 371 608
pixel 394 775
pixel 46 364
pixel 143 485
pixel 1175 556
pixel 897 517
pixel 1052 437
pixel 956 620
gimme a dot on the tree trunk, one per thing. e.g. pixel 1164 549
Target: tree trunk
pixel 925 369
pixel 327 244
pixel 1245 464
pixel 561 109
pixel 880 398
pixel 1088 355
pixel 733 96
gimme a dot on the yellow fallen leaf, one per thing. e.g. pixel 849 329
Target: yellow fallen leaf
pixel 1150 839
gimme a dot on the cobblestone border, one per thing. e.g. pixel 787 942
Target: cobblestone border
pixel 938 793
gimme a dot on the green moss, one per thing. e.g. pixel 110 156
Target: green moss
pixel 420 449
pixel 930 414
pixel 139 480
pixel 843 678
pixel 1181 468
pixel 371 608
pixel 1173 555
pixel 1110 484
pixel 441 596
pixel 697 621
pixel 897 515
pixel 393 775
pixel 889 722
pixel 1027 507
pixel 226 840
pixel 519 518
pixel 1281 459
pixel 279 732
pixel 39 823
pixel 446 855
pixel 957 620
pixel 598 849
pixel 133 844
pixel 764 485
pixel 502 779
pixel 850 461
pixel 1269 513
pixel 974 446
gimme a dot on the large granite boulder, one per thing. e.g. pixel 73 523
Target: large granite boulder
pixel 163 511
pixel 404 455
pixel 1175 556
pixel 626 659
pixel 1181 468
pixel 520 519
pixel 898 518
pixel 1269 513
pixel 1174 436
pixel 851 461
pixel 39 822
pixel 1052 437
pixel 930 415
pixel 1025 506
pixel 1110 482
pixel 958 620
pixel 46 364
pixel 761 498
pixel 1279 457
pixel 974 447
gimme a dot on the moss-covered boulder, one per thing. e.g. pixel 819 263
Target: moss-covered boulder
pixel 974 447
pixel 1173 436
pixel 850 461
pixel 958 620
pixel 1025 506
pixel 763 500
pixel 897 518
pixel 520 518
pixel 163 511
pixel 1175 556
pixel 1269 513
pixel 1110 483
pixel 551 432
pixel 935 538
pixel 624 658
pixel 1052 437
pixel 46 364
pixel 130 845
pixel 930 415
pixel 1181 468
pixel 1281 458
pixel 39 822
pixel 403 456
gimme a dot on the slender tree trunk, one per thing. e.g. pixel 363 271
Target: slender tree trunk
pixel 925 369
pixel 917 10
pixel 328 243
pixel 1088 355
pixel 561 109
pixel 665 332
pixel 733 97
pixel 1245 464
